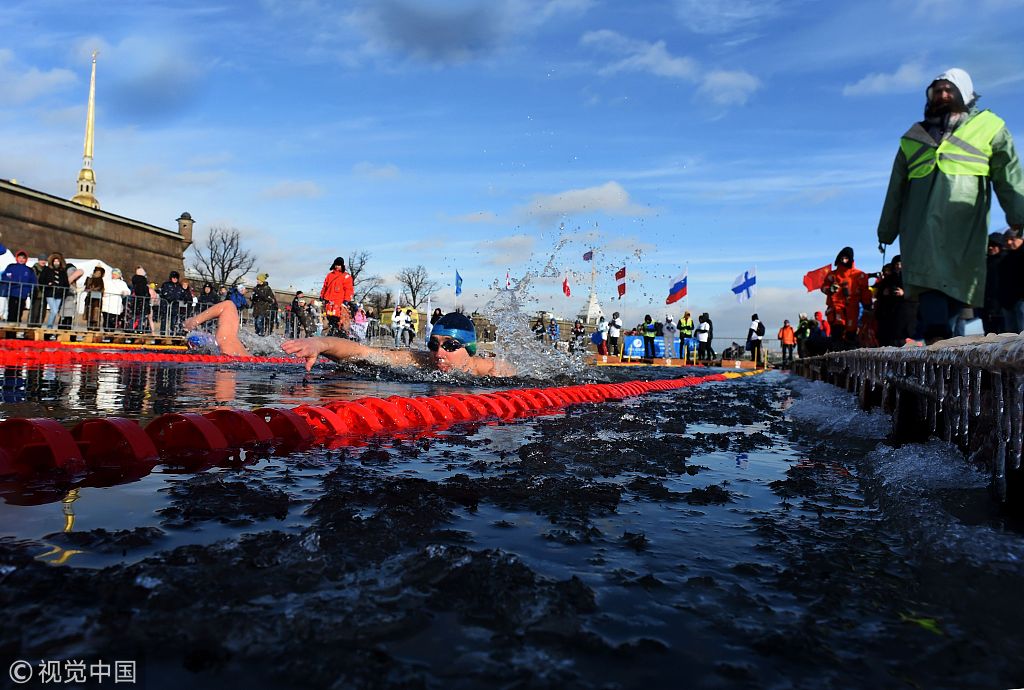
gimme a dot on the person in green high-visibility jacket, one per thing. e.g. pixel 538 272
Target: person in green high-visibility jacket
pixel 938 200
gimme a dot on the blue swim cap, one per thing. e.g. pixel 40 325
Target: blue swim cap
pixel 200 340
pixel 458 326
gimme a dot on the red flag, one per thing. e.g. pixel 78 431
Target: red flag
pixel 565 286
pixel 620 281
pixel 813 280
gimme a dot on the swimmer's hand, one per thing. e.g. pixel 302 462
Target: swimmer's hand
pixel 307 348
pixel 190 324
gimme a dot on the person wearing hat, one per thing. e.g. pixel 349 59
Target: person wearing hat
pixel 16 285
pixel 614 333
pixel 171 297
pixel 451 347
pixel 846 289
pixel 114 294
pixel 338 290
pixel 1010 291
pixel 938 201
pixel 263 302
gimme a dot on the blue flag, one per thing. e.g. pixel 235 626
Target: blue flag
pixel 745 285
pixel 458 284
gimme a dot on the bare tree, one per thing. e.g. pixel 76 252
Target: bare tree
pixel 416 285
pixel 380 300
pixel 362 284
pixel 223 260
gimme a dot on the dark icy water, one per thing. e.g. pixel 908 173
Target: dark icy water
pixel 750 533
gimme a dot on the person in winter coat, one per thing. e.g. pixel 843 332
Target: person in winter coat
pixel 554 332
pixel 399 325
pixel 263 301
pixel 435 317
pixel 991 313
pixel 648 330
pixel 787 336
pixel 602 336
pixel 576 336
pixel 614 333
pixel 94 288
pixel 54 280
pixel 16 284
pixel 704 351
pixel 754 336
pixel 139 301
pixel 711 335
pixel 803 332
pixel 171 297
pixel 207 297
pixel 895 314
pixel 1011 282
pixel 668 332
pixel 938 201
pixel 337 291
pixel 846 288
pixel 114 293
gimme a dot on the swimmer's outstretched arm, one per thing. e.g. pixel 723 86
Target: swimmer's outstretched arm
pixel 341 349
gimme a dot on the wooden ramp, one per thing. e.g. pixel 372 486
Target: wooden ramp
pixel 93 338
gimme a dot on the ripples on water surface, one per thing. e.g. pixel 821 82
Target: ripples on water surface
pixel 754 533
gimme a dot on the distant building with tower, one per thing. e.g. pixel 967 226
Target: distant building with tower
pixel 41 223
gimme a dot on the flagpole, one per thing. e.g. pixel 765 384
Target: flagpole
pixel 755 291
pixel 686 298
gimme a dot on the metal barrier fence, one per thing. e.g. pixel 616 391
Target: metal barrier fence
pixel 30 305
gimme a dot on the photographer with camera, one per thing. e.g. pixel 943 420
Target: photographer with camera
pixel 846 290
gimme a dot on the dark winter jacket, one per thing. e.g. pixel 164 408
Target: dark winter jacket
pixel 263 299
pixel 171 292
pixel 17 281
pixel 54 282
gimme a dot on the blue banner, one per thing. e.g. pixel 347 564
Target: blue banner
pixel 633 346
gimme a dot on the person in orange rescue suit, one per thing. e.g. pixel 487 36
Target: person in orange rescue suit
pixel 787 336
pixel 337 291
pixel 846 287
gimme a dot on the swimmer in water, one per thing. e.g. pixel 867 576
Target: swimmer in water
pixel 226 334
pixel 452 347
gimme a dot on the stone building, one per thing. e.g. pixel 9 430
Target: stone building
pixel 41 223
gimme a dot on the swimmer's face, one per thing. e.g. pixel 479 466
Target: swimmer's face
pixel 448 353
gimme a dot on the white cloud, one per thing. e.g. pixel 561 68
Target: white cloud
pixel 908 76
pixel 724 16
pixel 729 87
pixel 377 172
pixel 641 56
pixel 610 198
pixel 475 217
pixel 506 251
pixel 293 189
pixel 23 84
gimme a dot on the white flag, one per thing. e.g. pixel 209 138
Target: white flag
pixel 744 286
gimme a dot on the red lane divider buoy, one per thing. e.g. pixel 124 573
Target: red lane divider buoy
pixel 36 445
pixel 241 428
pixel 181 435
pixel 115 443
pixel 32 446
pixel 286 425
pixel 323 421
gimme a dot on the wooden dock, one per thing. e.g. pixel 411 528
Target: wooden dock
pixel 87 337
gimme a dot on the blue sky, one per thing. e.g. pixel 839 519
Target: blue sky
pixel 463 134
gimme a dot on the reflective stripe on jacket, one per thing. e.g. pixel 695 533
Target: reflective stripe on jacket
pixel 965 152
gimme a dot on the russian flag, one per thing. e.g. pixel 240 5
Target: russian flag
pixel 676 288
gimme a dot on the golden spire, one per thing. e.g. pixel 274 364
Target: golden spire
pixel 86 177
